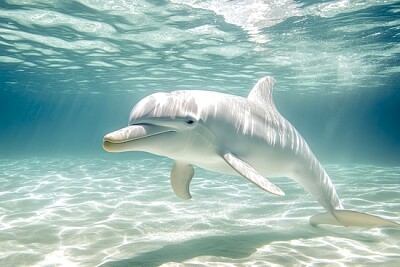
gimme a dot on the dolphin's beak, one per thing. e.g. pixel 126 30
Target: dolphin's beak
pixel 120 140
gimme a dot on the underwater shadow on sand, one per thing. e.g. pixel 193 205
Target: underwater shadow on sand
pixel 233 247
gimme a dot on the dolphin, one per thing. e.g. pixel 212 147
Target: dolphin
pixel 232 135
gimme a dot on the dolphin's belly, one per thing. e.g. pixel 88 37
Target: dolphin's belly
pixel 219 167
pixel 274 163
pixel 266 166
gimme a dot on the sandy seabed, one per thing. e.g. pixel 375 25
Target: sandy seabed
pixel 96 212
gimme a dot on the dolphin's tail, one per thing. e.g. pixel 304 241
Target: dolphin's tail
pixel 314 178
pixel 351 218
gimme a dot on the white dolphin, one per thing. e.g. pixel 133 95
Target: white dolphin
pixel 232 135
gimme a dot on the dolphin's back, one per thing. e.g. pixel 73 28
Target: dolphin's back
pixel 303 166
pixel 301 163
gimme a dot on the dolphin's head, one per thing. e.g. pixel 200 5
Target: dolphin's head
pixel 163 123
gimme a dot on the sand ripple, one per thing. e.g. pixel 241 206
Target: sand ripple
pixel 88 212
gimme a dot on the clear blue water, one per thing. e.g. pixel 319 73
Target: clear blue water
pixel 71 72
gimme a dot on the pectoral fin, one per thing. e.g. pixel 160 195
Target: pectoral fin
pixel 181 175
pixel 251 174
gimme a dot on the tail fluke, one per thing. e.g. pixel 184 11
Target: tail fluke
pixel 351 218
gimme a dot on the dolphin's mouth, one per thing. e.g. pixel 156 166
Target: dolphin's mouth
pixel 117 141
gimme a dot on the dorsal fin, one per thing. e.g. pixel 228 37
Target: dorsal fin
pixel 262 92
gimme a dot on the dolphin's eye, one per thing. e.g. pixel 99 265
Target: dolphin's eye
pixel 190 121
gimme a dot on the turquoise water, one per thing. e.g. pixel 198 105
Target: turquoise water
pixel 71 72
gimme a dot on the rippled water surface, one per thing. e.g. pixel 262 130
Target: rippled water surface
pixel 133 45
pixel 70 72
pixel 84 212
